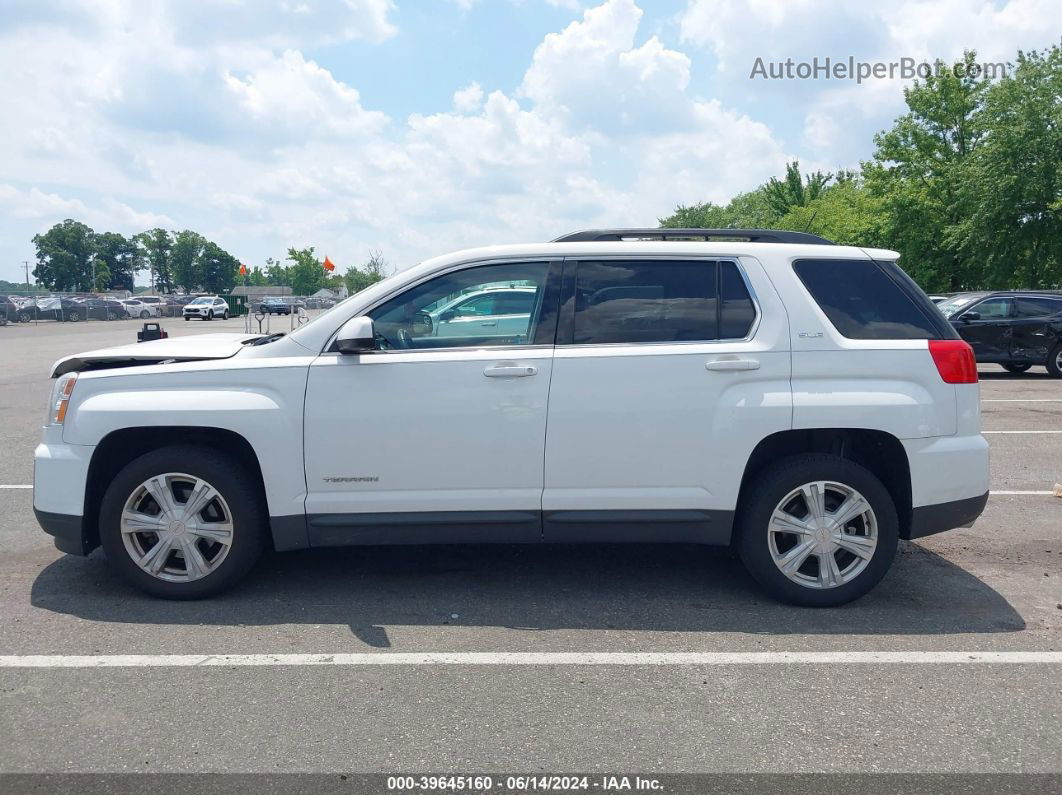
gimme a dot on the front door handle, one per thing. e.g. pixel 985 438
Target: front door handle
pixel 733 364
pixel 510 370
pixel 489 323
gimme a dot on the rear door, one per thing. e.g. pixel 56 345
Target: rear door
pixel 667 373
pixel 1031 334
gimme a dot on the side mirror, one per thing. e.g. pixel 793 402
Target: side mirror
pixel 970 316
pixel 356 336
pixel 447 316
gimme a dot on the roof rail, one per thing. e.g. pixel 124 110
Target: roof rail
pixel 750 235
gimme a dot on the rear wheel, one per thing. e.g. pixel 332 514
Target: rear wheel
pixel 1054 361
pixel 24 317
pixel 144 314
pixel 183 522
pixel 225 315
pixel 1011 367
pixel 817 530
pixel 112 315
pixel 73 316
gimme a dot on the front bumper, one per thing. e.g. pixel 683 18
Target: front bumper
pixel 929 519
pixel 60 475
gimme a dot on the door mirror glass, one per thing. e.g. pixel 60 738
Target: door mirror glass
pixel 970 316
pixel 356 336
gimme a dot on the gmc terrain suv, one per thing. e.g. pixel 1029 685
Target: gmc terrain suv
pixel 803 402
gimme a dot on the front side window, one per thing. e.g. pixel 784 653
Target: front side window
pixel 992 309
pixel 462 309
pixel 623 301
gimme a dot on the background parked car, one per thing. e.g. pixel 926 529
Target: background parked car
pixel 104 309
pixel 140 309
pixel 207 307
pixel 8 310
pixel 274 306
pixel 1013 329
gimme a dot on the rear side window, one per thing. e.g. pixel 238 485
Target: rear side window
pixel 868 300
pixel 660 301
pixel 1036 307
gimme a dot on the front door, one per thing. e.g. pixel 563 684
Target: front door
pixel 433 439
pixel 666 375
pixel 987 329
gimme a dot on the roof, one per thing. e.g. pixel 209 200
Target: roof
pixel 694 234
pixel 251 289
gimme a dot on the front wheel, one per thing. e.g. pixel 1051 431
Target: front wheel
pixel 24 317
pixel 186 317
pixel 817 530
pixel 183 522
pixel 73 317
pixel 1015 368
pixel 144 314
pixel 1054 361
pixel 210 314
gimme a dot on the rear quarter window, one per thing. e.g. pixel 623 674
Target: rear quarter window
pixel 869 300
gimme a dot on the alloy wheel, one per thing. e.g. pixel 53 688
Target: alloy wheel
pixel 177 527
pixel 822 534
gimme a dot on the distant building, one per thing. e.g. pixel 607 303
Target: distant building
pixel 335 295
pixel 253 292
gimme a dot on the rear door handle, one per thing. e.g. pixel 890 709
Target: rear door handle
pixel 510 370
pixel 733 364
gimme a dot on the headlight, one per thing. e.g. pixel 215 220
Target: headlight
pixel 61 392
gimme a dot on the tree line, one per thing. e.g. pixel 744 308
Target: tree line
pixel 73 257
pixel 965 185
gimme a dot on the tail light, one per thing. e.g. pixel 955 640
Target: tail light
pixel 954 360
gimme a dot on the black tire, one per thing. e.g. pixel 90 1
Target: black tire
pixel 1011 367
pixel 210 314
pixel 144 314
pixel 1053 357
pixel 186 317
pixel 771 485
pixel 24 317
pixel 112 315
pixel 238 487
pixel 74 316
pixel 225 315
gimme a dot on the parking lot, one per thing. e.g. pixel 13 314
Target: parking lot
pixel 736 702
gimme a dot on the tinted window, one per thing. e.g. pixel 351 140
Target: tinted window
pixel 738 311
pixel 1036 307
pixel 515 303
pixel 426 316
pixel 647 301
pixel 992 309
pixel 865 302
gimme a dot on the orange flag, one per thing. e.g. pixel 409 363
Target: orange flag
pixel 243 269
pixel 328 264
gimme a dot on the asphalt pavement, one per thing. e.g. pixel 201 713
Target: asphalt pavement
pixel 993 588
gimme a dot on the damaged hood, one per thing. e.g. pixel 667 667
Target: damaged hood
pixel 192 348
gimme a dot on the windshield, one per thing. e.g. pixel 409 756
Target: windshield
pixel 956 303
pixel 203 301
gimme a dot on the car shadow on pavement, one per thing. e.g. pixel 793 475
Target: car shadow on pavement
pixel 626 588
pixel 1038 374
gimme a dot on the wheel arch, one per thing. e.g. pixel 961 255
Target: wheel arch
pixel 880 452
pixel 121 446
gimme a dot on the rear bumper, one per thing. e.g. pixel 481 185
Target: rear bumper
pixel 929 519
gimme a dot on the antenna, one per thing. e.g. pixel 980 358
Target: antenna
pixel 811 220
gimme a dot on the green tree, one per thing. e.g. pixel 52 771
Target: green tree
pixel 845 212
pixel 117 261
pixel 64 256
pixel 156 245
pixel 185 259
pixel 375 269
pixel 218 269
pixel 277 273
pixel 257 277
pixel 918 170
pixel 1011 187
pixel 792 190
pixel 307 274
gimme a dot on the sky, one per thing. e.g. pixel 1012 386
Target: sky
pixel 418 128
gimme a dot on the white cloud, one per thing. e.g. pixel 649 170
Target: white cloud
pixel 468 99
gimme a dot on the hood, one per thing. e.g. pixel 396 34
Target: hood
pixel 192 348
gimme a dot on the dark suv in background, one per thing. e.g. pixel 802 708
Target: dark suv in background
pixel 1013 329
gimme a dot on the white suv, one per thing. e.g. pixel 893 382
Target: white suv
pixel 800 401
pixel 206 307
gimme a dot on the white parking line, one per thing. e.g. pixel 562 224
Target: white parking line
pixel 988 432
pixel 17 486
pixel 535 658
pixel 1022 493
pixel 1021 400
